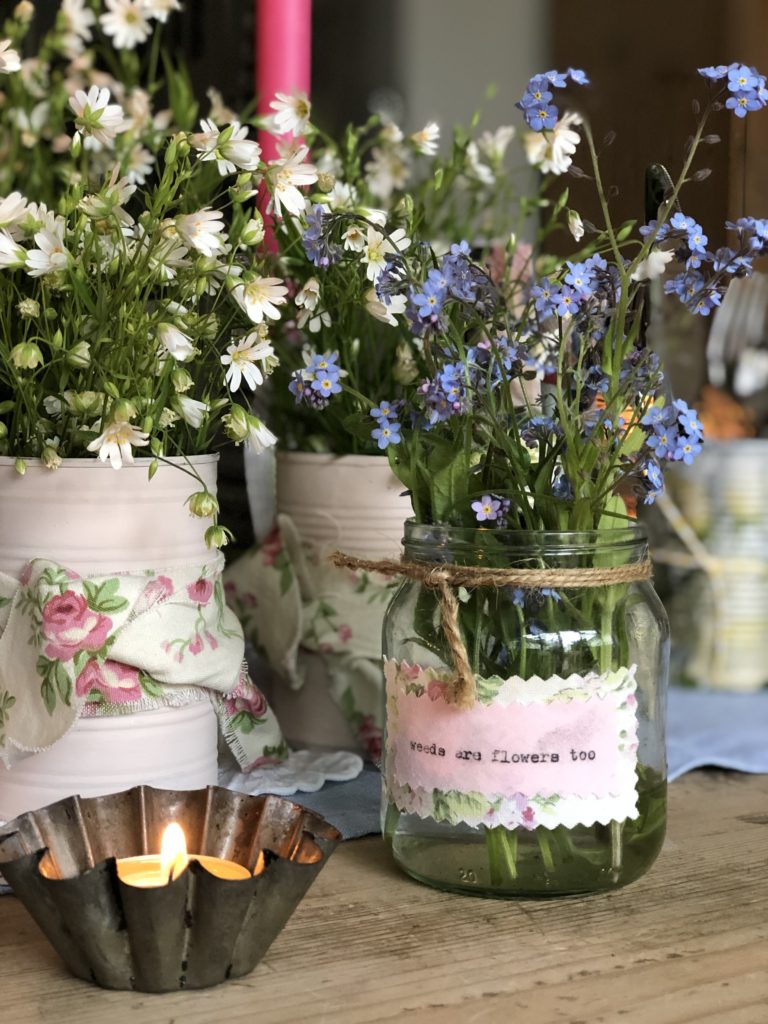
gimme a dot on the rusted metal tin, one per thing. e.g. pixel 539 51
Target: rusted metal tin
pixel 194 932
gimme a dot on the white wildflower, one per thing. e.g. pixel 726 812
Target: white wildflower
pixel 378 248
pixel 176 342
pixel 653 266
pixel 77 20
pixel 95 116
pixel 260 298
pixel 551 153
pixel 309 296
pixel 126 21
pixel 167 418
pixel 191 410
pixel 13 209
pixel 50 254
pixel 493 145
pixel 160 9
pixel 292 113
pixel 387 170
pixel 342 196
pixel 50 454
pixel 202 230
pixel 9 59
pixel 117 442
pixel 235 152
pixel 243 358
pixel 427 139
pixel 390 132
pixel 12 255
pixel 474 166
pixel 284 178
pixel 259 436
pixel 139 164
pixel 386 312
pixel 354 238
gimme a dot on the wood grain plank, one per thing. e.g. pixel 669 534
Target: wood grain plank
pixel 685 945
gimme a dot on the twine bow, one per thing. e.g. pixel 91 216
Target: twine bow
pixel 445 577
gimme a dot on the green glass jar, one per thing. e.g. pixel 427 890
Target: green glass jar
pixel 551 780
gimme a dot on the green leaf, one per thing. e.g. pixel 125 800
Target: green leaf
pixel 244 722
pixel 112 605
pixel 454 806
pixel 80 660
pixel 488 688
pixel 63 683
pixel 150 686
pixel 49 696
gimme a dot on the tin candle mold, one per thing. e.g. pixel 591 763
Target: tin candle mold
pixel 193 932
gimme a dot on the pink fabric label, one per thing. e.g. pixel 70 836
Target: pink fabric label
pixel 529 752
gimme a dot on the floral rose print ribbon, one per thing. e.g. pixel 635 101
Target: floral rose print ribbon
pixel 72 645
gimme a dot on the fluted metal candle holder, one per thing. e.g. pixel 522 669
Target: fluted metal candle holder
pixel 194 932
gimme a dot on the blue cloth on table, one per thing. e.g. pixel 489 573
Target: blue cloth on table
pixel 713 728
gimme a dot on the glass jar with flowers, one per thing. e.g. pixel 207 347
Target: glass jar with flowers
pixel 526 652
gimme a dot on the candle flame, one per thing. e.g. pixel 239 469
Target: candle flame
pixel 259 867
pixel 173 851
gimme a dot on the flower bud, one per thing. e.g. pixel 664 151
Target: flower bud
pixel 217 536
pixel 20 466
pixel 79 357
pixel 123 411
pixel 325 181
pixel 77 145
pixel 111 389
pixel 50 454
pixel 182 381
pixel 29 309
pixel 26 356
pixel 57 339
pixel 24 11
pixel 253 232
pixel 236 424
pixel 575 225
pixel 3 431
pixel 203 504
pixel 146 424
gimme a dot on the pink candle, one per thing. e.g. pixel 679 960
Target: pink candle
pixel 283 55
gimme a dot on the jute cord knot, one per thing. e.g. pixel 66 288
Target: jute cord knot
pixel 445 577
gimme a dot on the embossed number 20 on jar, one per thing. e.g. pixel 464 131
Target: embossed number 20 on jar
pixel 550 778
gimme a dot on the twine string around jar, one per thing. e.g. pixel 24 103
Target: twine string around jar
pixel 445 577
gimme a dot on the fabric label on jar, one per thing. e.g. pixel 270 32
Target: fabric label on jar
pixel 530 752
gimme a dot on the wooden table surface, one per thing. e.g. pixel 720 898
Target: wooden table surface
pixel 687 944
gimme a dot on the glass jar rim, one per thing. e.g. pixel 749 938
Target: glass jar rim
pixel 561 541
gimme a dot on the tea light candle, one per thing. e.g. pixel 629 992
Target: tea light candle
pixel 152 870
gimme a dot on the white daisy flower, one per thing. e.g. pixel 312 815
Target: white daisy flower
pixel 160 9
pixel 259 436
pixel 117 442
pixel 77 20
pixel 260 298
pixel 12 255
pixel 551 153
pixel 387 170
pixel 242 359
pixel 309 296
pixel 390 132
pixel 342 196
pixel 292 113
pixel 354 238
pixel 32 123
pixel 236 152
pixel 383 311
pixel 126 21
pixel 313 321
pixel 202 230
pixel 377 248
pixel 9 59
pixel 139 164
pixel 95 116
pixel 13 209
pixel 284 178
pixel 493 145
pixel 176 342
pixel 50 254
pixel 426 140
pixel 168 257
pixel 475 167
pixel 191 410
